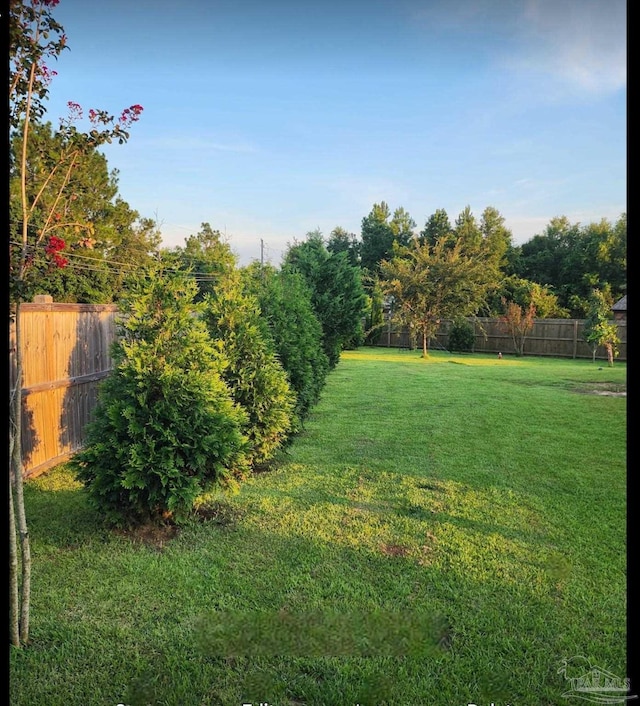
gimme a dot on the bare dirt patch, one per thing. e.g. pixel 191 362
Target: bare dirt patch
pixel 156 536
pixel 607 389
pixel 394 550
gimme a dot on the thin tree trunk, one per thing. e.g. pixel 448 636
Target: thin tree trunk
pixel 18 516
pixel 425 340
pixel 14 599
pixel 610 354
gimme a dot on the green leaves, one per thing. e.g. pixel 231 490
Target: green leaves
pixel 166 425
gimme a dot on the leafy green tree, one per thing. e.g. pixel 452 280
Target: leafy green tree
pixel 599 330
pixel 402 226
pixel 208 256
pixel 376 237
pixel 341 240
pixel 432 283
pixel 337 293
pixel 467 229
pixel 288 314
pixel 166 428
pixel 254 375
pixel 436 228
pixel 496 237
pixel 573 260
pixel 524 292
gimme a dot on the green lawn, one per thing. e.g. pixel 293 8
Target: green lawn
pixel 444 531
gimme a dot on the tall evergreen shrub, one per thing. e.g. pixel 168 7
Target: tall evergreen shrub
pixel 254 374
pixel 166 428
pixel 288 314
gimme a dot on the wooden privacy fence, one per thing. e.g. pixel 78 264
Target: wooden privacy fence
pixel 65 353
pixel 560 338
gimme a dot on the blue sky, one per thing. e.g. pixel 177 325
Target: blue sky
pixel 271 119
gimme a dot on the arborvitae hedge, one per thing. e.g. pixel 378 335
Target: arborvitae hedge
pixel 166 427
pixel 254 375
pixel 287 312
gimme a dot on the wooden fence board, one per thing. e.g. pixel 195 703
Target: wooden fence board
pixel 66 352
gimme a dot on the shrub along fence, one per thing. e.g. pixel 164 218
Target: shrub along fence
pixel 65 349
pixel 65 354
pixel 560 338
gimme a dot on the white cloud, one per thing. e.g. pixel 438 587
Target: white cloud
pixel 578 43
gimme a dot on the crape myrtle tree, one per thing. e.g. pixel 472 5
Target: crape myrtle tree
pixel 289 318
pixel 35 40
pixel 518 321
pixel 599 330
pixel 103 237
pixel 337 293
pixel 166 428
pixel 429 283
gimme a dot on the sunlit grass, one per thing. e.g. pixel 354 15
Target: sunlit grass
pixel 481 500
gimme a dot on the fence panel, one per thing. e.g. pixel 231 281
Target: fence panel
pixel 65 354
pixel 560 338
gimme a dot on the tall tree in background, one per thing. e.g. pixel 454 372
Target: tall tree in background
pixel 35 39
pixel 337 293
pixel 496 237
pixel 436 228
pixel 376 237
pixel 402 226
pixel 574 259
pixel 432 283
pixel 340 240
pixel 467 229
pixel 208 256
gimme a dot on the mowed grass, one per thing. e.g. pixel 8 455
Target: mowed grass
pixel 444 531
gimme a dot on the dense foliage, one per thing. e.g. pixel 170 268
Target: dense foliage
pixel 430 283
pixel 288 314
pixel 254 375
pixel 337 294
pixel 166 427
pixel 572 259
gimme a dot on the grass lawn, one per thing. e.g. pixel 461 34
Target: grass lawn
pixel 445 531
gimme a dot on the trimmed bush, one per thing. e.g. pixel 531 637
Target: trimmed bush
pixel 461 337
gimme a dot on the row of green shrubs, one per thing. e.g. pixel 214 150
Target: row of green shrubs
pixel 205 389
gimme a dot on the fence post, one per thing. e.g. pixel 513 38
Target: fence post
pixel 575 338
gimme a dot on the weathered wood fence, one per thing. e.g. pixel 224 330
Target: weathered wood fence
pixel 65 349
pixel 560 338
pixel 65 353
